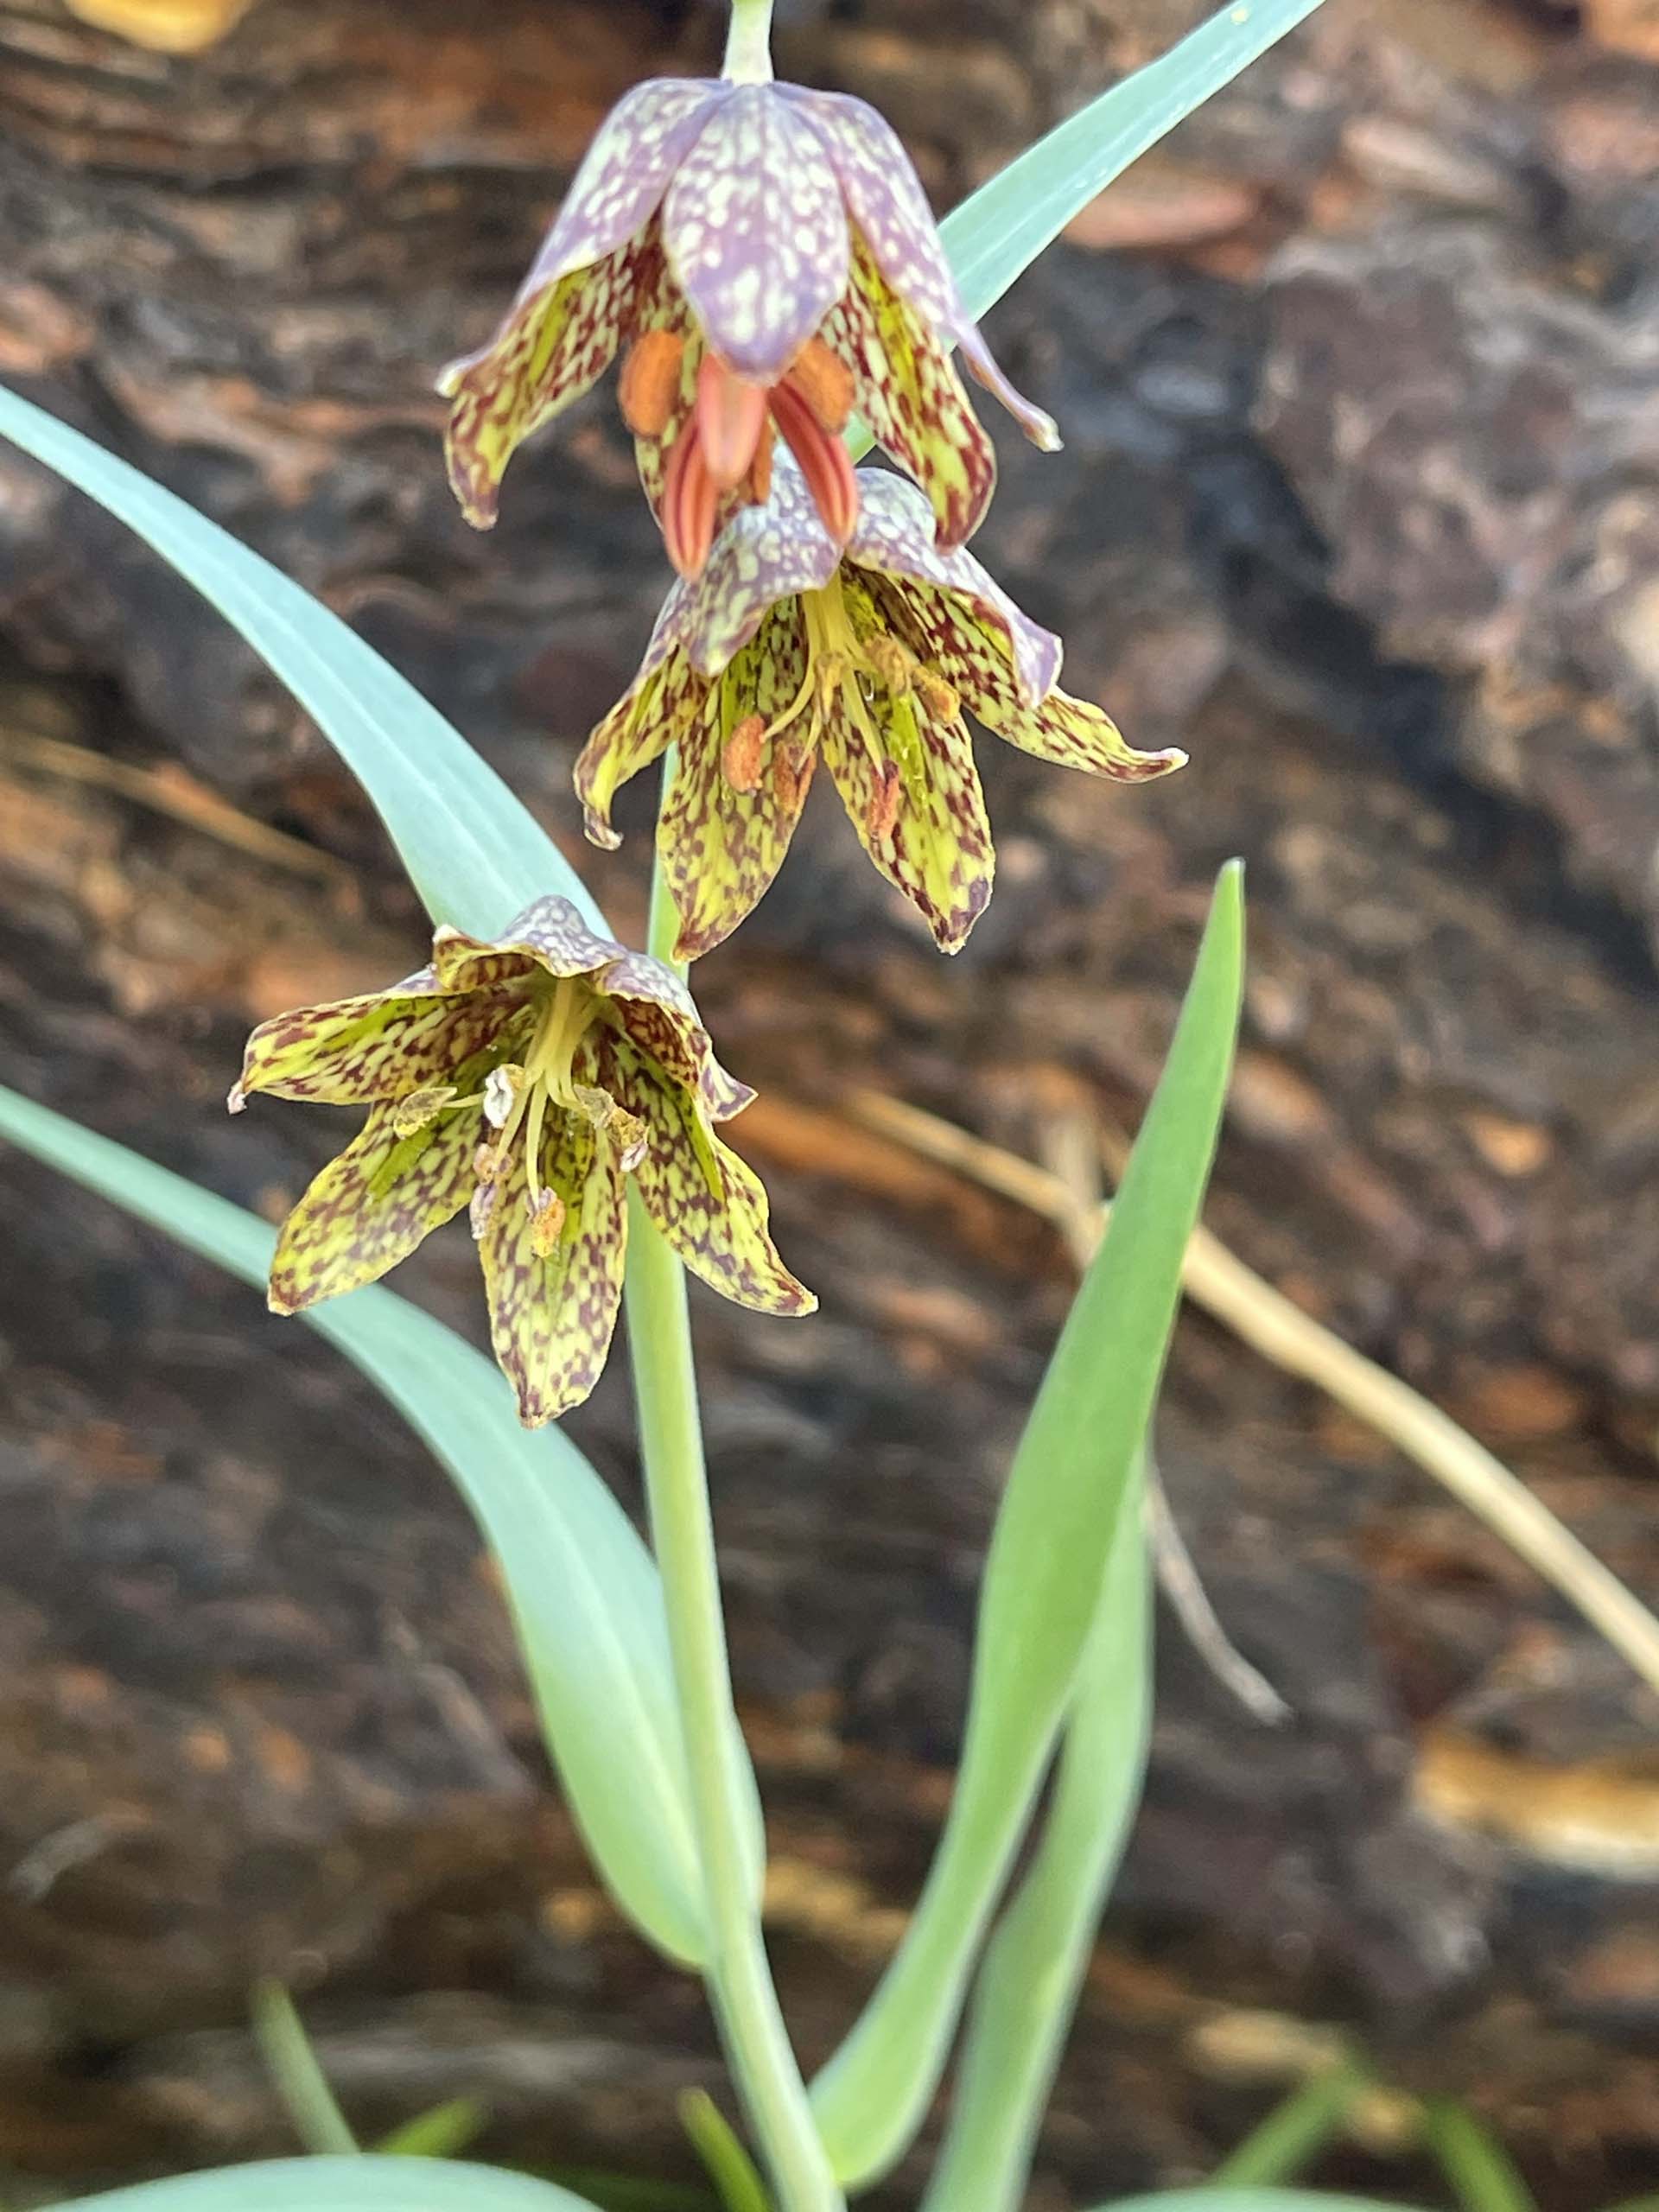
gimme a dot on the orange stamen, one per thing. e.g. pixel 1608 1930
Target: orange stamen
pixel 824 382
pixel 825 462
pixel 651 382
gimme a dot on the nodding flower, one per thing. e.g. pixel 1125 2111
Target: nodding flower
pixel 764 257
pixel 790 646
pixel 527 1079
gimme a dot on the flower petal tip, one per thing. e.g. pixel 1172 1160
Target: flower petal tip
pixel 235 1100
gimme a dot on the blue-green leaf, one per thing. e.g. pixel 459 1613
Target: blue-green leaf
pixel 1027 1987
pixel 473 853
pixel 364 2184
pixel 1246 2200
pixel 583 1591
pixel 1000 230
pixel 1043 1574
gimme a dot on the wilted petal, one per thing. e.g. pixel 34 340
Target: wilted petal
pixel 764 556
pixel 709 1205
pixel 934 845
pixel 556 343
pixel 912 399
pixel 352 1051
pixel 1038 425
pixel 756 233
pixel 624 173
pixel 657 1014
pixel 552 1317
pixel 549 935
pixel 1075 734
pixel 722 846
pixel 372 1206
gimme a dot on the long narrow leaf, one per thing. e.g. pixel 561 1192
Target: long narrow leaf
pixel 1027 1987
pixel 582 1586
pixel 1245 2200
pixel 999 230
pixel 364 2184
pixel 1043 1574
pixel 473 853
pixel 297 2072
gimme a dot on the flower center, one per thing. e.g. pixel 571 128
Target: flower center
pixel 856 667
pixel 726 441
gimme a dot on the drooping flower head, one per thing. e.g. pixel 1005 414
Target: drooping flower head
pixel 787 646
pixel 527 1079
pixel 766 255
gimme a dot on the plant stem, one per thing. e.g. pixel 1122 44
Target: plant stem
pixel 1293 2133
pixel 722 1793
pixel 748 43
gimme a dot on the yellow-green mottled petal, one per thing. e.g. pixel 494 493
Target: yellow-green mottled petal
pixel 1075 734
pixel 653 1008
pixel 722 846
pixel 352 1051
pixel 552 1318
pixel 370 1207
pixel 555 343
pixel 912 399
pixel 709 1204
pixel 655 711
pixel 550 937
pixel 932 842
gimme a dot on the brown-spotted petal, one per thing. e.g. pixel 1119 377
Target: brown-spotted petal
pixel 548 935
pixel 352 1051
pixel 553 1313
pixel 709 1204
pixel 555 344
pixel 912 399
pixel 659 1015
pixel 721 847
pixel 372 1206
pixel 756 233
pixel 658 709
pixel 926 829
pixel 885 199
pixel 963 612
pixel 1075 734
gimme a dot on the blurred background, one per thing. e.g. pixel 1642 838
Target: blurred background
pixel 1359 376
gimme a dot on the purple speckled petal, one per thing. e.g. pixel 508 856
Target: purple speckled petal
pixel 756 233
pixel 894 537
pixel 549 934
pixel 763 554
pixel 625 173
pixel 885 199
pixel 660 1016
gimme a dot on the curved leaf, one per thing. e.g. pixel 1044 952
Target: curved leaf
pixel 583 1591
pixel 1045 1566
pixel 1027 1987
pixel 999 230
pixel 474 854
pixel 360 2185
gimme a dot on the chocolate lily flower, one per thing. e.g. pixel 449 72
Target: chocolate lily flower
pixel 767 254
pixel 527 1079
pixel 787 646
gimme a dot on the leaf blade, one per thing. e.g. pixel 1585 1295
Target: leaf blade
pixel 473 852
pixel 366 2184
pixel 579 1583
pixel 1044 1569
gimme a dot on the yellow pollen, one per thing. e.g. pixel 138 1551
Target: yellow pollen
pixel 419 1109
pixel 547 1223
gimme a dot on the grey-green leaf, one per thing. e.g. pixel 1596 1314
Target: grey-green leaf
pixel 364 2184
pixel 1000 230
pixel 1027 1987
pixel 1046 1567
pixel 473 852
pixel 583 1588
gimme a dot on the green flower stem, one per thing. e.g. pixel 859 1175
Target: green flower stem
pixel 1472 2159
pixel 1294 2132
pixel 748 43
pixel 740 1979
